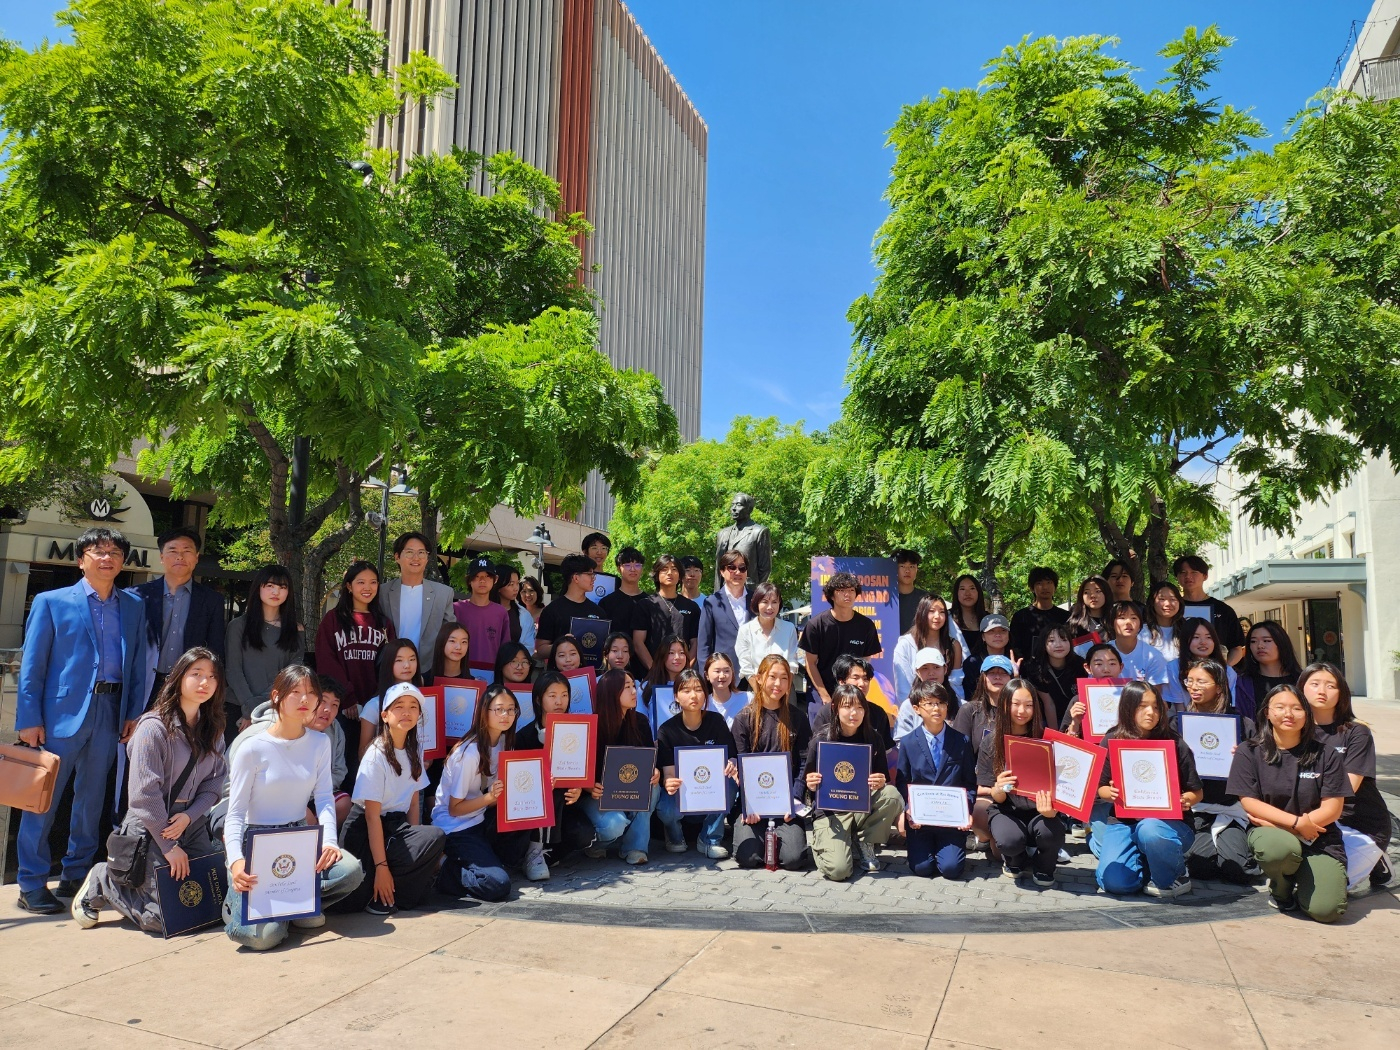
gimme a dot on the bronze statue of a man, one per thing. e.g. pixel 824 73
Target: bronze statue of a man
pixel 747 537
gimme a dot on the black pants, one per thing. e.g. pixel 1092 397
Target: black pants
pixel 1016 830
pixel 412 851
pixel 793 853
pixel 571 832
pixel 1226 856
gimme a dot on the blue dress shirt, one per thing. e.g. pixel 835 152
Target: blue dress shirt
pixel 107 622
pixel 176 606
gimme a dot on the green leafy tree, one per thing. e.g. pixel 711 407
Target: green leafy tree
pixel 683 500
pixel 1091 290
pixel 189 258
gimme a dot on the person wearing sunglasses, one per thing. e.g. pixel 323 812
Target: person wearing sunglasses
pixel 725 611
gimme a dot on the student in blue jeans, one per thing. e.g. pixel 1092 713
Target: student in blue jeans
pixel 1147 854
pixel 693 727
pixel 619 725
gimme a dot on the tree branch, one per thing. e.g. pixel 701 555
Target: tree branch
pixel 280 466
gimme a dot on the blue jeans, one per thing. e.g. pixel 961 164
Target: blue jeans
pixel 337 882
pixel 936 851
pixel 87 758
pixel 474 860
pixel 1130 853
pixel 625 832
pixel 668 811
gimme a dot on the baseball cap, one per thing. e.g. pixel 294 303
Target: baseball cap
pixel 929 655
pixel 480 565
pixel 992 621
pixel 397 692
pixel 997 663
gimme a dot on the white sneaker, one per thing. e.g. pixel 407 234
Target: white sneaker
pixel 84 914
pixel 716 853
pixel 311 922
pixel 635 856
pixel 536 870
pixel 1179 888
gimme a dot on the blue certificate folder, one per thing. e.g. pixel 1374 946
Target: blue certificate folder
pixel 845 770
pixel 197 900
pixel 627 779
pixel 590 633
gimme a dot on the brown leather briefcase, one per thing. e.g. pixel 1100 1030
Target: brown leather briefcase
pixel 27 777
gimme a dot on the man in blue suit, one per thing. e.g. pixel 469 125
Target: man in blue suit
pixel 81 688
pixel 180 614
pixel 936 753
pixel 725 611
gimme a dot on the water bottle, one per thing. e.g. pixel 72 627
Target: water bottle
pixel 770 847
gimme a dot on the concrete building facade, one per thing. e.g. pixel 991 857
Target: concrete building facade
pixel 575 88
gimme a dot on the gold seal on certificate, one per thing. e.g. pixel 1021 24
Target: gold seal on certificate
pixel 627 774
pixel 937 806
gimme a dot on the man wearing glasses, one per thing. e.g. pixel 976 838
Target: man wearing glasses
pixel 725 611
pixel 577 572
pixel 80 692
pixel 418 605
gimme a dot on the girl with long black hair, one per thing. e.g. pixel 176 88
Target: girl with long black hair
pixel 259 643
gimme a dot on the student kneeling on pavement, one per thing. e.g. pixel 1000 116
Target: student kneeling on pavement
pixel 843 842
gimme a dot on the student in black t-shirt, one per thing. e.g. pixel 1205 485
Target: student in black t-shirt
pixel 1269 661
pixel 906 564
pixel 664 613
pixel 622 606
pixel 596 547
pixel 671 657
pixel 996 641
pixel 1146 854
pixel 1086 615
pixel 693 727
pixel 1192 572
pixel 770 726
pixel 969 610
pixel 838 630
pixel 1326 690
pixel 1294 789
pixel 558 616
pixel 1055 669
pixel 1017 823
pixel 1220 849
pixel 1031 622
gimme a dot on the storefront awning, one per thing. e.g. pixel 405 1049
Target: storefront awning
pixel 1292 578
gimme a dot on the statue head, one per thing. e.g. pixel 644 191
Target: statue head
pixel 741 508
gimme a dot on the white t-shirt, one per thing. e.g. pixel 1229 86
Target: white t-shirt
pixel 270 781
pixel 377 782
pixel 461 778
pixel 410 611
pixel 1144 663
pixel 736 703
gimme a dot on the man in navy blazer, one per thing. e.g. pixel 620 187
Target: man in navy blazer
pixel 180 614
pixel 81 689
pixel 725 611
pixel 935 753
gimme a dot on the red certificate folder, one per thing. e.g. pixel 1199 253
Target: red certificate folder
pixel 433 716
pixel 1144 772
pixel 460 697
pixel 1033 765
pixel 589 754
pixel 1078 769
pixel 1095 724
pixel 518 770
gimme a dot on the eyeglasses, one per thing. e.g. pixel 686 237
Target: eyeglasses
pixel 737 568
pixel 501 710
pixel 412 552
pixel 103 554
pixel 932 704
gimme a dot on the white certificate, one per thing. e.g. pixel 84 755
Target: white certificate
pixel 1212 739
pixel 767 783
pixel 525 793
pixel 1073 768
pixel 569 747
pixel 429 732
pixel 938 806
pixel 701 773
pixel 603 585
pixel 459 708
pixel 283 860
pixel 1102 702
pixel 1146 784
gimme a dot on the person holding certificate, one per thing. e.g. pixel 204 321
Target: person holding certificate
pixel 1147 854
pixel 1365 822
pixel 936 755
pixel 1294 789
pixel 565 655
pixel 620 724
pixel 693 727
pixel 1018 823
pixel 385 823
pixel 845 842
pixel 719 683
pixel 617 652
pixel 768 726
pixel 450 653
pixel 670 659
pixel 975 720
pixel 572 831
pixel 175 762
pixel 398 663
pixel 271 777
pixel 1220 849
pixel 513 665
pixel 477 854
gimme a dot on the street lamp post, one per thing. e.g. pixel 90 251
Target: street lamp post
pixel 541 539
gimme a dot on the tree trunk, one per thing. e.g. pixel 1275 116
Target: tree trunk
pixel 1158 528
pixel 428 526
pixel 1124 544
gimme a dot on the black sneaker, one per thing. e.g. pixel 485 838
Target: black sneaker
pixel 375 907
pixel 1010 872
pixel 1380 874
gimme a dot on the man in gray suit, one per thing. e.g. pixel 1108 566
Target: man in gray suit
pixel 419 607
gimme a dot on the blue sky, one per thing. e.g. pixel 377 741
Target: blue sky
pixel 798 98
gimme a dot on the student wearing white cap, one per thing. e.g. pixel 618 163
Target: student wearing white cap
pixel 929 666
